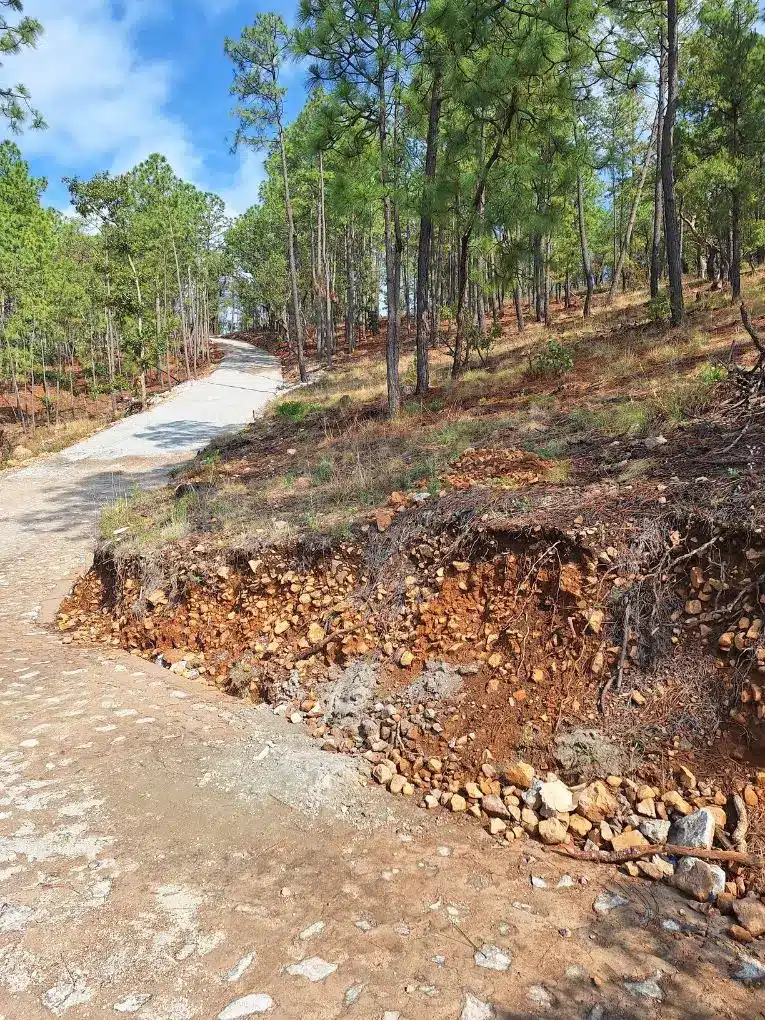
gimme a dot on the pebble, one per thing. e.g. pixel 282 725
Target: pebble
pixel 248 1005
pixel 352 994
pixel 131 1003
pixel 538 882
pixel 239 968
pixel 648 989
pixel 313 969
pixel 608 901
pixel 314 929
pixel 539 995
pixel 492 958
pixel 475 1009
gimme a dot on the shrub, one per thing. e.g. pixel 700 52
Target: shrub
pixel 294 410
pixel 659 308
pixel 554 360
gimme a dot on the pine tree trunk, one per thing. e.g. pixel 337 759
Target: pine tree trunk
pixel 735 262
pixel 656 260
pixel 391 267
pixel 671 227
pixel 424 251
pixel 350 315
pixel 295 293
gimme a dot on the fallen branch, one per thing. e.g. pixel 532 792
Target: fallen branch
pixel 635 853
pixel 332 636
pixel 747 321
pixel 742 825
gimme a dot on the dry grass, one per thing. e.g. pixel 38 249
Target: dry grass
pixel 48 439
pixel 325 454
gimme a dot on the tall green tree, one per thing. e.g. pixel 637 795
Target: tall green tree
pixel 258 57
pixel 15 34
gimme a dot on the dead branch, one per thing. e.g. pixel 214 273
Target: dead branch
pixel 332 636
pixel 742 825
pixel 756 338
pixel 637 852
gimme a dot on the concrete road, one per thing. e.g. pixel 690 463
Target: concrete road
pixel 194 412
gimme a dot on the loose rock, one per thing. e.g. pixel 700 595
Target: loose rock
pixel 696 830
pixel 698 879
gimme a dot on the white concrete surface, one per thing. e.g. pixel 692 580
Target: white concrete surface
pixel 194 412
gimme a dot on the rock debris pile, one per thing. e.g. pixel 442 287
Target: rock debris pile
pixel 474 662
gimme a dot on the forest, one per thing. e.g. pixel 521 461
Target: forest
pixel 451 161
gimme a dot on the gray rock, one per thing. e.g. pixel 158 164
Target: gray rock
pixel 655 830
pixel 314 969
pixel 648 989
pixel 531 797
pixel 608 901
pixel 696 830
pixel 539 995
pixel 351 697
pixel 438 680
pixel 353 994
pixel 248 1005
pixel 131 1003
pixel 475 1009
pixel 492 958
pixel 702 881
pixel 538 882
pixel 751 971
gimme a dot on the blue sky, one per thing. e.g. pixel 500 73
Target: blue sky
pixel 119 79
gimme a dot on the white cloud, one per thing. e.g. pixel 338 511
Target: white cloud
pixel 243 191
pixel 100 99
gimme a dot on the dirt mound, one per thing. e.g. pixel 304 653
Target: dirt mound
pixel 498 468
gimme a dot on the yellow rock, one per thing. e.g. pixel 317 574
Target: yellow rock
pixel 627 840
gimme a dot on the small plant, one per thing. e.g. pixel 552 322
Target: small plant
pixel 294 410
pixel 323 471
pixel 711 373
pixel 554 360
pixel 436 404
pixel 211 461
pixel 658 308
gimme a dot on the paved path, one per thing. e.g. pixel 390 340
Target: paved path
pixel 194 412
pixel 170 854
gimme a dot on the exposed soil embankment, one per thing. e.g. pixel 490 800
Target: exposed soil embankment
pixel 591 677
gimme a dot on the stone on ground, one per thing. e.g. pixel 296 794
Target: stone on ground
pixel 492 958
pixel 696 830
pixel 248 1005
pixel 475 1009
pixel 698 879
pixel 314 969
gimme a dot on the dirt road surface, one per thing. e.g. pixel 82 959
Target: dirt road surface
pixel 167 853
